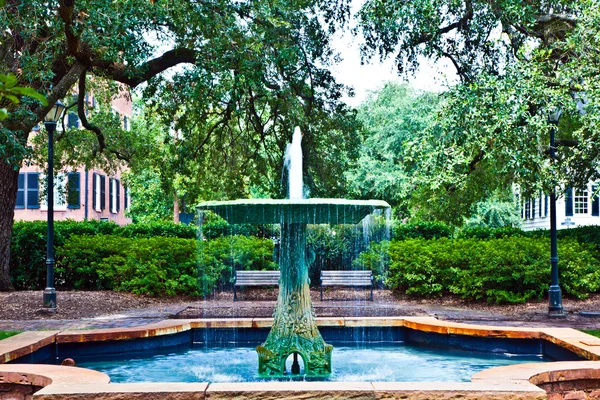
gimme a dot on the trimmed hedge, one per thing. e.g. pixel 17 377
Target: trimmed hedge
pixel 28 243
pixel 28 247
pixel 154 266
pixel 158 266
pixel 507 270
pixel 424 230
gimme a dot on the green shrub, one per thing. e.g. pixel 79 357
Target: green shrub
pixel 507 270
pixel 154 266
pixel 218 258
pixel 424 230
pixel 481 232
pixel 28 247
pixel 154 229
pixel 213 226
pixel 583 234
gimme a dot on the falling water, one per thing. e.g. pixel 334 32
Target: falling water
pixel 293 163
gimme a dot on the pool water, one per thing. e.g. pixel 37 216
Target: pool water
pixel 385 363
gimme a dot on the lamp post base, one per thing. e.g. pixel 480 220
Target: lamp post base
pixel 555 308
pixel 50 299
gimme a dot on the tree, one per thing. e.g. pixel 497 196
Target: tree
pixel 392 117
pixel 240 58
pixel 493 131
pixel 517 62
pixel 475 35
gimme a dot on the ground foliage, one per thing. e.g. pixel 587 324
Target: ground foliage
pixel 506 270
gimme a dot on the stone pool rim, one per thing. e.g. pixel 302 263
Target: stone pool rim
pixel 499 382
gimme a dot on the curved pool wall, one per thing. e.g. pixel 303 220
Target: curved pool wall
pixel 555 343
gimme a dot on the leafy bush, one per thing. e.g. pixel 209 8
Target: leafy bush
pixel 424 230
pixel 154 266
pixel 507 270
pixel 28 247
pixel 214 226
pixel 218 258
pixel 583 234
pixel 154 229
pixel 481 232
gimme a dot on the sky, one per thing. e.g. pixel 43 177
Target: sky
pixel 371 76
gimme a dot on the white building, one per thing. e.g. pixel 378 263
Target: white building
pixel 576 208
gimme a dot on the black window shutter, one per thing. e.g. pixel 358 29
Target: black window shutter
pixel 94 190
pixel 118 195
pixel 540 203
pixel 126 195
pixel 102 192
pixel 73 190
pixel 21 192
pixel 546 206
pixel 33 190
pixel 569 202
pixel 595 202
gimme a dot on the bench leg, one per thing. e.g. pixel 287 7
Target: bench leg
pixel 321 292
pixel 234 293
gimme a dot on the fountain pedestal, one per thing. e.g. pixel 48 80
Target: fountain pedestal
pixel 294 329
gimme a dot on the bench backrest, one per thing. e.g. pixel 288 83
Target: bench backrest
pixel 256 278
pixel 346 277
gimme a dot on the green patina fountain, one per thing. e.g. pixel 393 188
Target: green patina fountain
pixel 294 331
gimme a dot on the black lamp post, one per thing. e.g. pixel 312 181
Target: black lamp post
pixel 50 122
pixel 555 307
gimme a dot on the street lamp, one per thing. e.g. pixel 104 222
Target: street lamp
pixel 50 122
pixel 555 307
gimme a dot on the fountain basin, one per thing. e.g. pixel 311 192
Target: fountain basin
pixel 509 382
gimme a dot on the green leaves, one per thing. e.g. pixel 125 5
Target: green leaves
pixel 12 92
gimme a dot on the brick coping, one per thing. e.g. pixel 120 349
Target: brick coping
pixel 500 382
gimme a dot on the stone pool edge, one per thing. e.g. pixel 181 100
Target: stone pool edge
pixel 517 381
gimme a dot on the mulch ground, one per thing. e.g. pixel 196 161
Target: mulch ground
pixel 77 305
pixel 27 305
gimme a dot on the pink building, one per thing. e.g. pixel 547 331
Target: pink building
pixel 79 194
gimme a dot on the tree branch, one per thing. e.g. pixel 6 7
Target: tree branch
pixel 133 76
pixel 87 125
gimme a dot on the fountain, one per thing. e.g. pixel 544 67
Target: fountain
pixel 294 331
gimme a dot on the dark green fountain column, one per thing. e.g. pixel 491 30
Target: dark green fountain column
pixel 294 327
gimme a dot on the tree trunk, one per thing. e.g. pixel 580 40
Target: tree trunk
pixel 9 177
pixel 176 208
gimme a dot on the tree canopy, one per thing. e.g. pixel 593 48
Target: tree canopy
pixel 248 73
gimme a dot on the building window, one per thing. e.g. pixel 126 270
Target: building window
pixel 59 194
pixel 33 190
pixel 114 195
pixel 581 201
pixel 28 194
pixel 126 124
pixel 99 189
pixel 73 190
pixel 527 209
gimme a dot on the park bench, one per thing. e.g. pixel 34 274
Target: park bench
pixel 347 278
pixel 254 278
